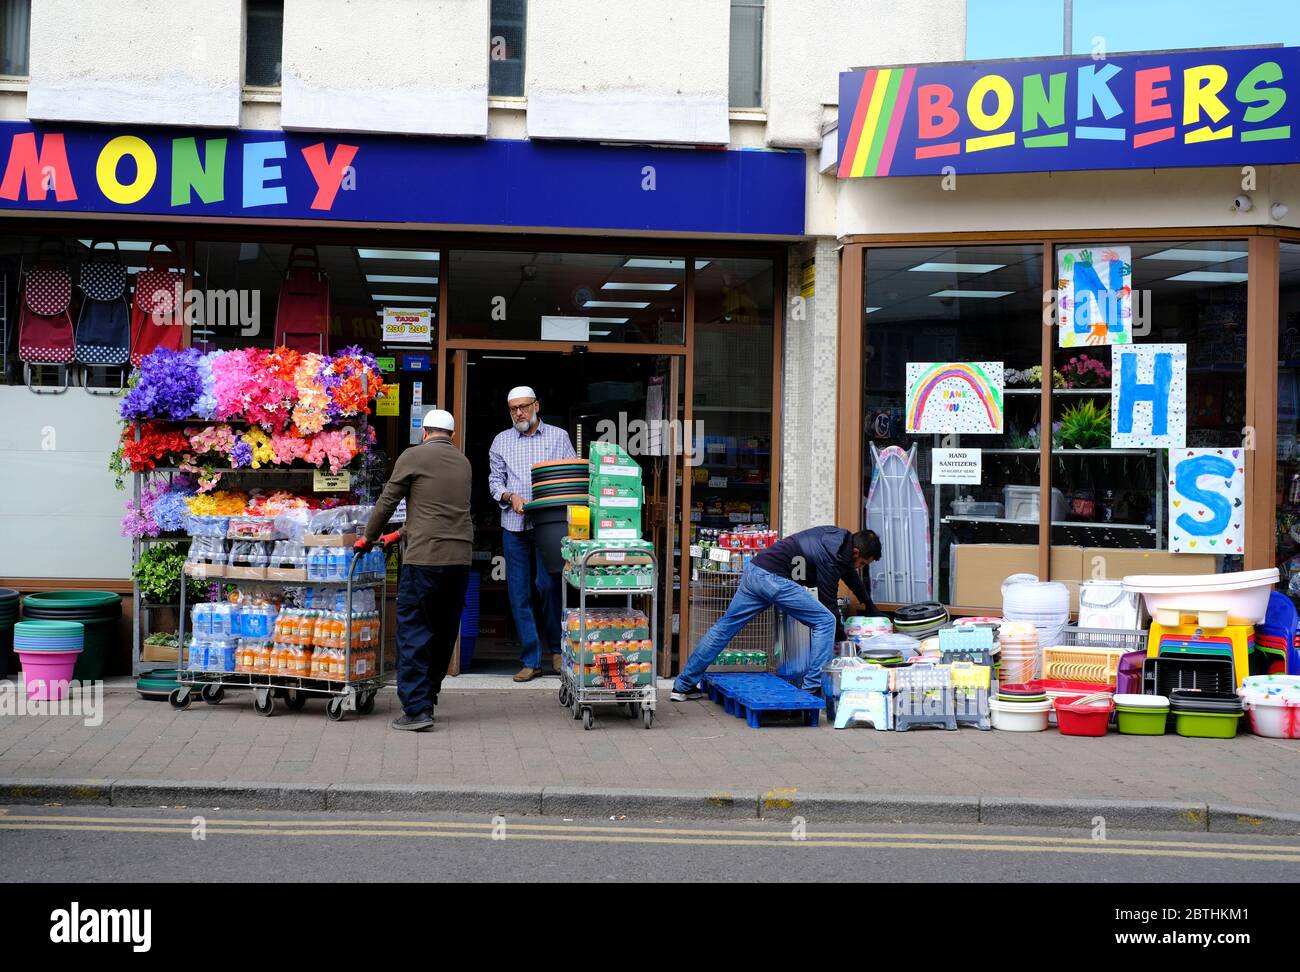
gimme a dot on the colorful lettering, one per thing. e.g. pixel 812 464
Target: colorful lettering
pixel 146 169
pixel 1201 87
pixel 1186 475
pixel 1263 103
pixel 207 178
pixel 1094 92
pixel 936 118
pixel 28 166
pixel 257 174
pixel 328 172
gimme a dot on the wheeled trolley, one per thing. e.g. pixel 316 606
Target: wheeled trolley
pixel 605 662
pixel 349 683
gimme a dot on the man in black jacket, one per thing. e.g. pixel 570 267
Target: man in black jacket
pixel 822 556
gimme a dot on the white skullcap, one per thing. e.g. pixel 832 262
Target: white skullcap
pixel 439 418
pixel 520 391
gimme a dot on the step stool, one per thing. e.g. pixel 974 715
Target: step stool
pixel 1233 643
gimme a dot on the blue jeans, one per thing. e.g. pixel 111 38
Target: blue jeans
pixel 429 605
pixel 760 589
pixel 525 573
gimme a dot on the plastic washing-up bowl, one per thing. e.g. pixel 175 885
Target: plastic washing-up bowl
pixel 1243 597
pixel 1142 715
pixel 1207 725
pixel 1082 720
pixel 1274 716
pixel 1019 716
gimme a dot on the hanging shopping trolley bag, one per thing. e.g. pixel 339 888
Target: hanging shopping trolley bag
pixel 44 323
pixel 155 309
pixel 302 318
pixel 104 325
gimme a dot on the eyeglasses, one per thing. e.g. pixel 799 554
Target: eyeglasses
pixel 521 409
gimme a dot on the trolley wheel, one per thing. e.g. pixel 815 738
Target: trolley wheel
pixel 648 717
pixel 564 696
pixel 264 708
pixel 295 699
pixel 334 711
pixel 180 698
pixel 588 719
pixel 213 694
pixel 366 703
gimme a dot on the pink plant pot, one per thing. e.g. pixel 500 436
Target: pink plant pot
pixel 47 673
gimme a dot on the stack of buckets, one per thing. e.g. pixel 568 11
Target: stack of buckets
pixel 96 611
pixel 1045 604
pixel 557 485
pixel 8 615
pixel 48 651
pixel 1018 654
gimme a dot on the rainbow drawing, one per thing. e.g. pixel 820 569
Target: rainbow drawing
pixel 955 397
pixel 877 120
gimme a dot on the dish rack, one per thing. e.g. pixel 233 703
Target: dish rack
pixel 1094 665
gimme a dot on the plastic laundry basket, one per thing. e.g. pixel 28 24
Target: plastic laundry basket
pixel 97 611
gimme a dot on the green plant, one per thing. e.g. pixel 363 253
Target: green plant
pixel 1085 426
pixel 159 571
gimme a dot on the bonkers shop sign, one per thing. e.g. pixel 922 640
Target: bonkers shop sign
pixel 390 179
pixel 1204 107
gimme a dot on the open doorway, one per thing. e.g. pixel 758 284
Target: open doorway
pixel 630 398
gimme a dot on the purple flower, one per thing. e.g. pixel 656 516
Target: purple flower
pixel 168 385
pixel 241 455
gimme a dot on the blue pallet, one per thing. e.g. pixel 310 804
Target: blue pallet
pixel 749 697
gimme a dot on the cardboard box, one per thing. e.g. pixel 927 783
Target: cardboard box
pixel 293 575
pixel 579 522
pixel 614 505
pixel 329 539
pixel 644 656
pixel 615 489
pixel 159 653
pixel 246 573
pixel 636 579
pixel 204 570
pixel 609 454
pixel 631 551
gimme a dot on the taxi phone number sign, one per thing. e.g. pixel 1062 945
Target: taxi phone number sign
pixel 408 325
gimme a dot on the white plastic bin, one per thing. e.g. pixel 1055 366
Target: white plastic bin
pixel 1021 503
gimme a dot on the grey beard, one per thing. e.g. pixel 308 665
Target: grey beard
pixel 522 427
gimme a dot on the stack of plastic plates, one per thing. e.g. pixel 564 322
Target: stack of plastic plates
pixel 554 470
pixel 920 620
pixel 561 487
pixel 42 636
pixel 1027 692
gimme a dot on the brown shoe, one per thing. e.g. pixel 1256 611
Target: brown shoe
pixel 525 675
pixel 557 663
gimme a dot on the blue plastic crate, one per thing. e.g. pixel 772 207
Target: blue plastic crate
pixel 750 697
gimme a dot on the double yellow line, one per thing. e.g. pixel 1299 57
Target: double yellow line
pixel 600 834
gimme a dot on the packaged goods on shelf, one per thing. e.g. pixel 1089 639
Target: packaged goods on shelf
pixel 251 528
pixel 207 526
pixel 579 521
pixel 211 654
pixel 608 624
pixel 288 561
pixel 626 525
pixel 613 577
pixel 207 557
pixel 248 560
pixel 574 551
pixel 338 527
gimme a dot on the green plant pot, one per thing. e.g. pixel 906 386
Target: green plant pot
pixel 1207 725
pixel 1142 722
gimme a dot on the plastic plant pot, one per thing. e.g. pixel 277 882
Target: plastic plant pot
pixel 47 674
pixel 157 684
pixel 1207 725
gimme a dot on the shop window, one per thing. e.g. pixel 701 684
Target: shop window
pixel 15 36
pixel 1189 297
pixel 239 287
pixel 572 297
pixel 969 307
pixel 263 43
pixel 506 48
pixel 732 439
pixel 1288 419
pixel 746 65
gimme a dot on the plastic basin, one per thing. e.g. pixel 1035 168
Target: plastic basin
pixel 1207 725
pixel 1142 721
pixel 1273 716
pixel 46 674
pixel 97 611
pixel 1082 720
pixel 1019 716
pixel 1242 596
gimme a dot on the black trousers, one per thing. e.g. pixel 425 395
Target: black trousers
pixel 429 605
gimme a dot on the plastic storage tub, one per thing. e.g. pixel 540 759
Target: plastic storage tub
pixel 1243 596
pixel 1274 716
pixel 1142 715
pixel 1082 720
pixel 98 613
pixel 1021 503
pixel 1207 725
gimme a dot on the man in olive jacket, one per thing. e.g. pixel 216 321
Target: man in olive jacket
pixel 434 479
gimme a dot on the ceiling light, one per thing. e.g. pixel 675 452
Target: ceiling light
pixel 646 263
pixel 399 255
pixel 407 297
pixel 608 320
pixel 1197 256
pixel 989 294
pixel 956 267
pixel 399 278
pixel 1211 276
pixel 638 286
pixel 504 357
pixel 635 304
pixel 599 333
pixel 872 310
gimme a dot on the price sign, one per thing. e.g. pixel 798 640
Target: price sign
pixel 720 555
pixel 323 482
pixel 389 402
